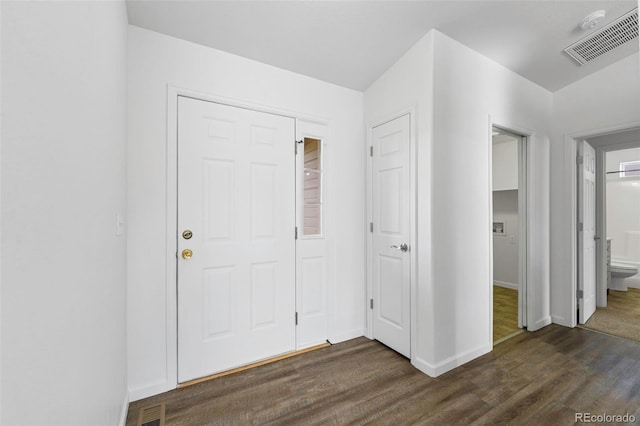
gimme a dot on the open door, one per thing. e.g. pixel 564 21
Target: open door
pixel 586 231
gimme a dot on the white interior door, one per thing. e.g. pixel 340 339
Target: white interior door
pixel 586 231
pixel 391 234
pixel 236 214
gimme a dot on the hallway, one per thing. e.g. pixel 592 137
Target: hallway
pixel 545 377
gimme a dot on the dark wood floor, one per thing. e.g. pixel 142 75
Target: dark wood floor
pixel 505 312
pixel 540 378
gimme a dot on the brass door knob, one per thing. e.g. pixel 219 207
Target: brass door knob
pixel 186 254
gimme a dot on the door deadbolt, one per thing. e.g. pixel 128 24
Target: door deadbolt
pixel 187 234
pixel 186 254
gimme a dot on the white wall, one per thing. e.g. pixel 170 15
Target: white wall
pixel 469 90
pixel 454 90
pixel 156 61
pixel 0 215
pixel 63 180
pixel 623 211
pixel 504 169
pixel 609 98
pixel 505 247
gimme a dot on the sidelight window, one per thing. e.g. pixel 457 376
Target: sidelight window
pixel 312 189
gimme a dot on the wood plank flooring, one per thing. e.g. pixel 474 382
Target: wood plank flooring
pixel 505 312
pixel 533 378
pixel 621 317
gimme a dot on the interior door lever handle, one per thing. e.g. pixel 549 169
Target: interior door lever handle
pixel 402 247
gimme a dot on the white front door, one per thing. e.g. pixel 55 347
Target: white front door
pixel 391 234
pixel 586 231
pixel 236 243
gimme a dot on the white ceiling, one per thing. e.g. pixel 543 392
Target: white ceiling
pixel 351 43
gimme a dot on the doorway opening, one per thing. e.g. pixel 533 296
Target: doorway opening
pixel 509 227
pixel 617 236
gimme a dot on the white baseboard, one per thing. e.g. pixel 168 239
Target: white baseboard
pixel 555 319
pixel 506 285
pixel 434 370
pixel 125 410
pixel 542 322
pixel 342 337
pixel 633 282
pixel 150 390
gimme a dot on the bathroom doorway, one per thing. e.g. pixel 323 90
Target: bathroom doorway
pixel 618 234
pixel 509 226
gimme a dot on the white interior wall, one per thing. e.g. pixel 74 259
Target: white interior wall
pixel 408 84
pixel 607 99
pixel 505 247
pixel 469 91
pixel 63 180
pixel 156 61
pixel 0 214
pixel 504 171
pixel 454 91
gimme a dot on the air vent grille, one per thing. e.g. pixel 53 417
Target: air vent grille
pixel 151 416
pixel 615 34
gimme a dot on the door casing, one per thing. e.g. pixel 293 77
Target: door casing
pixel 523 219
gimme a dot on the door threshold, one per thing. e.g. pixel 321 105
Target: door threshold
pixel 253 365
pixel 505 338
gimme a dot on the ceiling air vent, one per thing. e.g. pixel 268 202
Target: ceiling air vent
pixel 608 38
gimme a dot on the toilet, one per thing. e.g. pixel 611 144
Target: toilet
pixel 620 272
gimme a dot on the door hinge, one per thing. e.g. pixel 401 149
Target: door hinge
pixel 296 145
pixel 296 318
pixel 579 160
pixel 371 303
pixel 371 151
pixel 580 226
pixel 370 226
pixel 580 294
pixel 296 232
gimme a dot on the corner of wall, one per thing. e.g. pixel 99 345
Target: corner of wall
pixel 125 410
pixel 435 370
pixel 555 319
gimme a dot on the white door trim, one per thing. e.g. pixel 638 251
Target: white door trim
pixel 525 310
pixel 412 224
pixel 173 91
pixel 570 219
